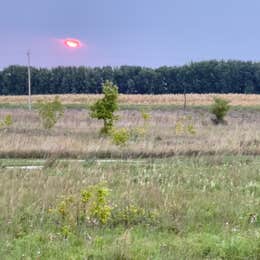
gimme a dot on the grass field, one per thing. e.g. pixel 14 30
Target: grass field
pixel 181 188
pixel 77 135
pixel 180 208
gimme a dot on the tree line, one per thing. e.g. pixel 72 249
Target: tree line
pixel 198 77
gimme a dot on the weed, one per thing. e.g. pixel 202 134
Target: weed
pixel 7 122
pixel 90 207
pixel 184 126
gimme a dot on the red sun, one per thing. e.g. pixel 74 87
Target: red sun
pixel 72 43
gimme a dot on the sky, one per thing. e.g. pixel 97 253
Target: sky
pixel 149 33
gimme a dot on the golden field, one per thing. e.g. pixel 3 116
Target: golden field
pixel 192 99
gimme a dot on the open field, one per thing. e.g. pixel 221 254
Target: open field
pixel 192 99
pixel 205 207
pixel 76 135
pixel 199 201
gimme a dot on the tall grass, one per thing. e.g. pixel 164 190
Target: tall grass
pixel 204 207
pixel 76 135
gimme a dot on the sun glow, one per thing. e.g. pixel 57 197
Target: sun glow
pixel 72 43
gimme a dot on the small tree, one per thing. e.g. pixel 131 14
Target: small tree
pixel 220 108
pixel 104 108
pixel 50 112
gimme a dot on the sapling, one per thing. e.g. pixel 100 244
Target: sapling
pixel 50 112
pixel 104 108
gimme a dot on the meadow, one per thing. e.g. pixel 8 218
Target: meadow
pixel 181 187
pixel 164 134
pixel 179 208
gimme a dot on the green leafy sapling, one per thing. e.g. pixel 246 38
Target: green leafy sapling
pixel 50 112
pixel 104 108
pixel 219 109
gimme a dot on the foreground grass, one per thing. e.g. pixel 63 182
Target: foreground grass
pixel 181 208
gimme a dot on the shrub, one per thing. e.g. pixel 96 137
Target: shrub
pixel 104 109
pixel 120 136
pixel 7 122
pixel 219 109
pixel 50 112
pixel 90 208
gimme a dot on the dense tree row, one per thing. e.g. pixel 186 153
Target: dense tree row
pixel 201 77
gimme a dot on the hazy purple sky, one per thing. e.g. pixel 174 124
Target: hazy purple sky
pixel 133 32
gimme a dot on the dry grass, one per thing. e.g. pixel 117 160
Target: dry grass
pixel 192 99
pixel 76 135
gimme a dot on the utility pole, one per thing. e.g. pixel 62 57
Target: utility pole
pixel 185 99
pixel 29 80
